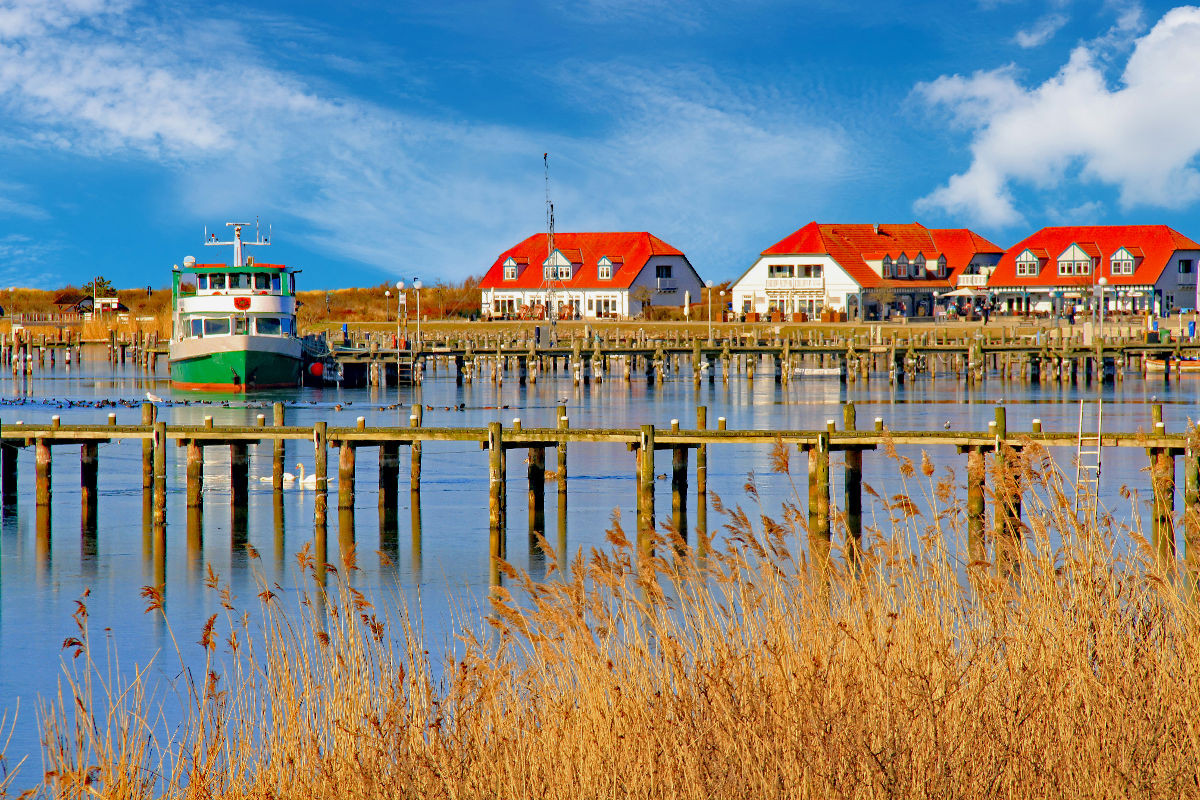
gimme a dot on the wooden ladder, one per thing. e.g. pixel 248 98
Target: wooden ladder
pixel 1087 463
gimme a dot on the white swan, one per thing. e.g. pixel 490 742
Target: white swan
pixel 288 478
pixel 305 481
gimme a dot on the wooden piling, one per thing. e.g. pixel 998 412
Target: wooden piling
pixel 160 473
pixel 239 475
pixel 645 506
pixel 852 492
pixel 149 415
pixel 195 474
pixel 679 465
pixel 320 469
pixel 1162 477
pixel 1007 511
pixel 1191 516
pixel 414 472
pixel 537 489
pixel 88 473
pixel 702 478
pixel 346 459
pixel 976 543
pixel 278 419
pixel 818 504
pixel 495 488
pixel 42 472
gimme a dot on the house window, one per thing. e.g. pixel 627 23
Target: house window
pixel 548 273
pixel 662 271
pixel 606 272
pixel 1083 267
pixel 1122 267
pixel 564 273
pixel 1066 268
pixel 510 273
pixel 942 267
pixel 780 271
pixel 919 267
pixel 902 267
pixel 1027 268
pixel 887 267
pixel 1185 266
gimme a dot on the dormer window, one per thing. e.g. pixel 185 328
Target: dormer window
pixel 604 268
pixel 887 266
pixel 564 272
pixel 1122 261
pixel 919 266
pixel 902 266
pixel 510 269
pixel 1027 264
pixel 941 268
pixel 1078 259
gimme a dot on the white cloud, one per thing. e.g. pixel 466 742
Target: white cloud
pixel 1041 31
pixel 392 189
pixel 1134 136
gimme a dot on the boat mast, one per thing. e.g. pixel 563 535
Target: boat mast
pixel 211 241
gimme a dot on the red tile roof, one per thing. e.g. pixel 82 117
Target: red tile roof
pixel 850 245
pixel 628 252
pixel 1151 246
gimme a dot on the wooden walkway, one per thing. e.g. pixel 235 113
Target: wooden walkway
pixel 997 442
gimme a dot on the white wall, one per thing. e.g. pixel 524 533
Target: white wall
pixel 685 277
pixel 753 284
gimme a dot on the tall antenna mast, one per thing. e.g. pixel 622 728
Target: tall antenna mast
pixel 550 274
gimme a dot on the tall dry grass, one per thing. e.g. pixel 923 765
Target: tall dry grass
pixel 722 669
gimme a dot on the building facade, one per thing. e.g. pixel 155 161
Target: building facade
pixel 865 271
pixel 1130 268
pixel 587 276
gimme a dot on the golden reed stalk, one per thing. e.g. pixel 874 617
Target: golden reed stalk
pixel 715 670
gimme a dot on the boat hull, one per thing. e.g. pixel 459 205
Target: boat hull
pixel 235 364
pixel 1178 365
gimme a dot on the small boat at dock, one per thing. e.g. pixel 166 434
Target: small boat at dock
pixel 1182 366
pixel 234 325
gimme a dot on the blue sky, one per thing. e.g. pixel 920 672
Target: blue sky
pixel 387 140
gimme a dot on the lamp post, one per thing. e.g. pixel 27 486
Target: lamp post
pixel 1103 282
pixel 708 284
pixel 387 305
pixel 417 289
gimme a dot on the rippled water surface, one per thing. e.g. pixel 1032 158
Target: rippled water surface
pixel 439 547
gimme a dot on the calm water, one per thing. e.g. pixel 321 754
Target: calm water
pixel 439 550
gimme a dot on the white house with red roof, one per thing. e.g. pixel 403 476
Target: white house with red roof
pixel 1137 268
pixel 588 276
pixel 867 269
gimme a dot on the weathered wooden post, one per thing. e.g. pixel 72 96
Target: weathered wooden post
pixel 277 454
pixel 818 504
pixel 562 423
pixel 160 473
pixel 8 473
pixel 195 474
pixel 645 506
pixel 88 472
pixel 346 458
pixel 1007 512
pixel 495 445
pixel 42 472
pixel 702 477
pixel 1191 512
pixel 1162 475
pixel 149 415
pixel 976 543
pixel 852 492
pixel 320 469
pixel 679 464
pixel 414 471
pixel 239 475
pixel 389 477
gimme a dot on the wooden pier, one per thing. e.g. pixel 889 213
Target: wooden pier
pixel 999 442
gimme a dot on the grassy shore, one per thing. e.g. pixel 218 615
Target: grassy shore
pixel 730 668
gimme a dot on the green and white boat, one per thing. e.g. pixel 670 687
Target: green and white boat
pixel 234 326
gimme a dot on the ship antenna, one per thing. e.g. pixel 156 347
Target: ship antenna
pixel 550 274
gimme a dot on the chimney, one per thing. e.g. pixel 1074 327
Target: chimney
pixel 876 226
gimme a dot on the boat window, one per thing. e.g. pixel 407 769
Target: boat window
pixel 267 326
pixel 239 280
pixel 286 326
pixel 275 283
pixel 262 280
pixel 241 326
pixel 216 326
pixel 187 287
pixel 202 281
pixel 197 326
pixel 217 281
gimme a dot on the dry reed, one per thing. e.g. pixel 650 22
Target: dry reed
pixel 721 670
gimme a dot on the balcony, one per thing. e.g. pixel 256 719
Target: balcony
pixel 795 283
pixel 972 280
pixel 667 284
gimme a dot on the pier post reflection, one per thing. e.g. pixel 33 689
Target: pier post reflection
pixel 8 474
pixel 346 539
pixel 389 533
pixel 42 539
pixel 280 535
pixel 415 510
pixel 195 538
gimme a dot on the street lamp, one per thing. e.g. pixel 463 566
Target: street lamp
pixel 387 304
pixel 1103 282
pixel 417 289
pixel 708 284
pixel 399 296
